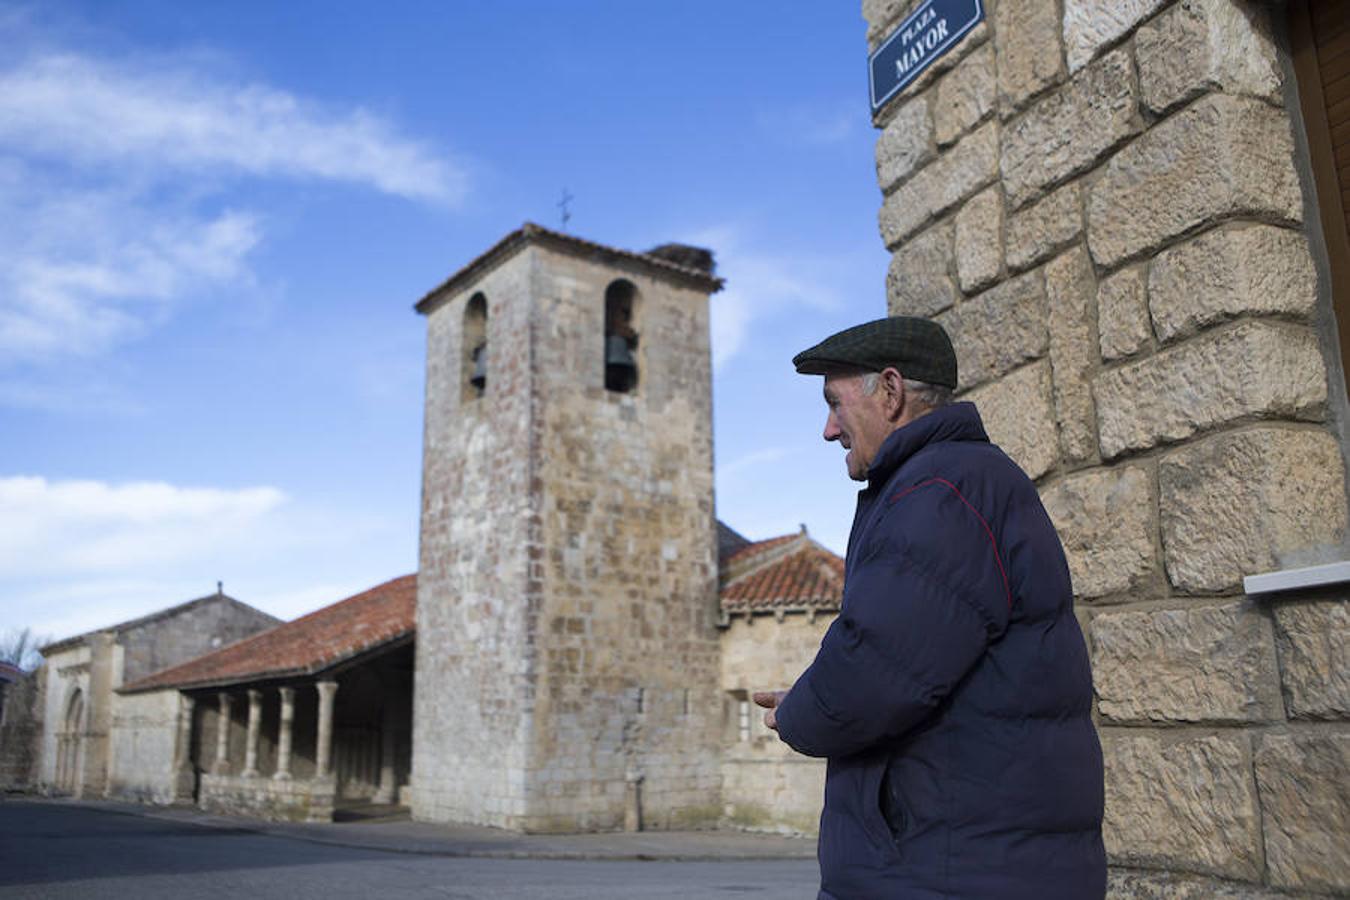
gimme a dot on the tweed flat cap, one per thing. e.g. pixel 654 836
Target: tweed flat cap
pixel 919 348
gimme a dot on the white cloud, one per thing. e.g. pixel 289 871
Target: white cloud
pixel 88 269
pixel 109 174
pixel 93 111
pixel 759 285
pixel 75 528
pixel 751 460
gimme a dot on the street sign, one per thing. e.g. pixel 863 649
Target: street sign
pixel 919 41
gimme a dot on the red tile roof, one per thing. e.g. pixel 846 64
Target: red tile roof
pixel 310 644
pixel 791 572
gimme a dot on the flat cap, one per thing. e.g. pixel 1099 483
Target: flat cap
pixel 919 348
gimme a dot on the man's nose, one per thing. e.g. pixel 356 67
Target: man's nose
pixel 831 428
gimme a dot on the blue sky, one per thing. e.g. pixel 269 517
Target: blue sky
pixel 215 219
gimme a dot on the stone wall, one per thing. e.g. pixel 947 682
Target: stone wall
pixel 1103 203
pixel 191 631
pixel 21 731
pixel 627 639
pixel 474 668
pixel 567 648
pixel 67 672
pixel 143 736
pixel 766 785
pixel 291 800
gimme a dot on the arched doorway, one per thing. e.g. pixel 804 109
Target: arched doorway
pixel 70 745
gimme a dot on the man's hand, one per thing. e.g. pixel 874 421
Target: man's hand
pixel 770 700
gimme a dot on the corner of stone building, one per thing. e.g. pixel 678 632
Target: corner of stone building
pixel 1323 315
pixel 1146 310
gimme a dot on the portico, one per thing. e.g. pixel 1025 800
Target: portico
pixel 295 721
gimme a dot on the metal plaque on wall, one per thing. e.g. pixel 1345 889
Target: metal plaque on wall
pixel 917 42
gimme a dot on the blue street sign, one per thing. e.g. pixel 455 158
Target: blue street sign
pixel 918 42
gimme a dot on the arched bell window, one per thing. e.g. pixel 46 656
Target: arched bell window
pixel 621 337
pixel 474 355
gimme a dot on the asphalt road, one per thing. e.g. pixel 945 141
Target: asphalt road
pixel 67 851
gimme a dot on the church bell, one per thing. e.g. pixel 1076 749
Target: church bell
pixel 620 367
pixel 479 376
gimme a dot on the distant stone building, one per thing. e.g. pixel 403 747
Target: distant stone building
pixel 567 649
pixel 89 740
pixel 1131 216
pixel 19 725
pixel 286 723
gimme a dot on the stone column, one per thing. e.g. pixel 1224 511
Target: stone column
pixel 222 764
pixel 387 790
pixel 323 746
pixel 284 734
pixel 182 756
pixel 254 728
pixel 632 807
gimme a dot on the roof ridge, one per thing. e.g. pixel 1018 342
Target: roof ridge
pixel 767 556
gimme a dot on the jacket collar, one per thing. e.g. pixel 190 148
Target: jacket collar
pixel 956 422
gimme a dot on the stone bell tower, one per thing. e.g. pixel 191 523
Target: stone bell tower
pixel 567 656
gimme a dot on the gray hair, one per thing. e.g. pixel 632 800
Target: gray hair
pixel 929 396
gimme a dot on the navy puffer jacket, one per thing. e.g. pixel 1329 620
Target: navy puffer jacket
pixel 952 695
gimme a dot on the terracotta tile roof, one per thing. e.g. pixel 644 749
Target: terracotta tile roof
pixel 532 233
pixel 310 644
pixel 791 572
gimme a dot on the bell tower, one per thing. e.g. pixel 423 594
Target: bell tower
pixel 567 654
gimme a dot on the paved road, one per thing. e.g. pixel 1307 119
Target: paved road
pixel 68 851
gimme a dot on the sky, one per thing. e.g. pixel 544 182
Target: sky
pixel 215 220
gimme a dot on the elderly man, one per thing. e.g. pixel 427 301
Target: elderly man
pixel 952 696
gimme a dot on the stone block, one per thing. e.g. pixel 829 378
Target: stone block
pixel 1071 289
pixel 964 96
pixel 1105 519
pixel 1019 418
pixel 905 144
pixel 1304 779
pixel 1186 803
pixel 1046 227
pixel 1229 272
pixel 939 186
pixel 979 241
pixel 1222 156
pixel 1122 314
pixel 1313 637
pixel 1068 131
pixel 999 330
pixel 883 15
pixel 1206 45
pixel 1249 501
pixel 1254 368
pixel 1198 664
pixel 919 281
pixel 1140 884
pixel 1090 25
pixel 1027 36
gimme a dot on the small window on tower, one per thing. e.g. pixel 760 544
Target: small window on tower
pixel 474 354
pixel 621 337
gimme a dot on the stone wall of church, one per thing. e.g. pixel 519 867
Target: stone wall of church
pixel 476 603
pixel 767 786
pixel 200 628
pixel 567 650
pixel 627 638
pixel 65 716
pixel 1105 203
pixel 141 746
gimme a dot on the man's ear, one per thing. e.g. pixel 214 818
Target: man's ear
pixel 893 388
